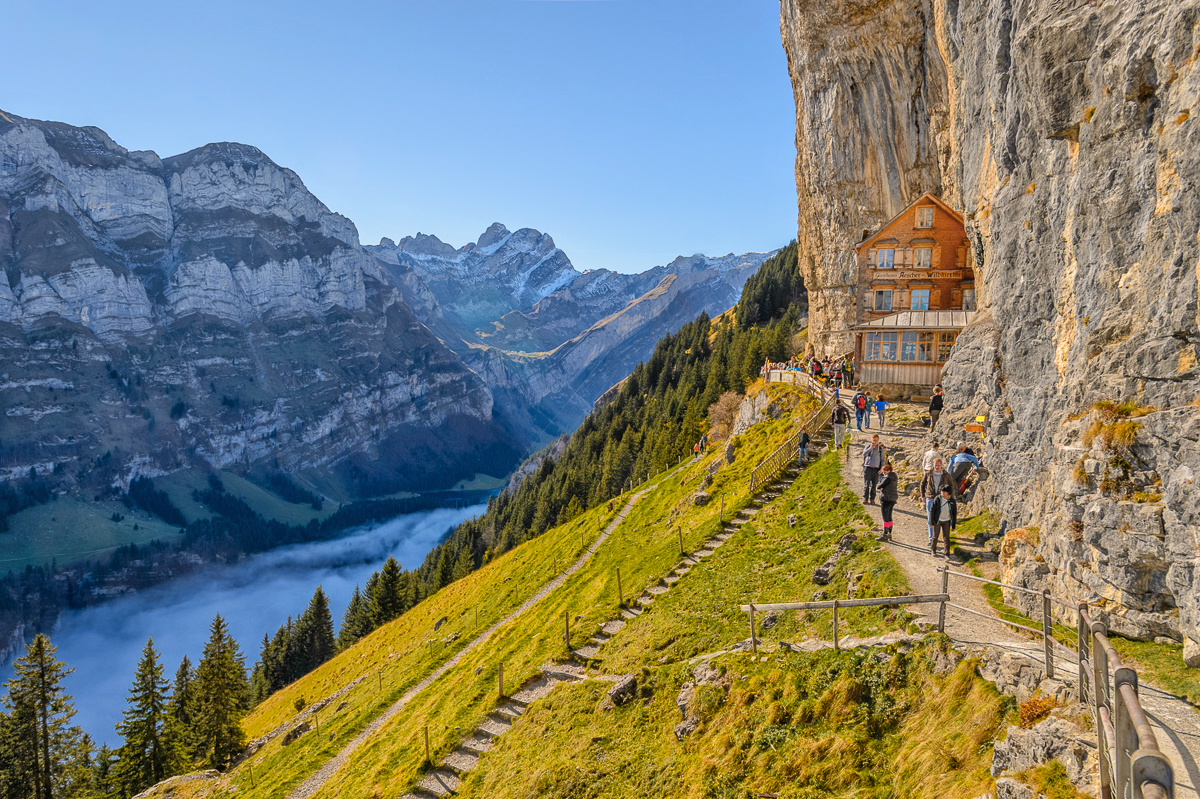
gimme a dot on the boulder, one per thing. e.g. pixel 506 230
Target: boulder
pixel 729 453
pixel 791 520
pixel 707 481
pixel 770 619
pixel 1050 739
pixel 437 625
pixel 295 733
pixel 1008 788
pixel 701 498
pixel 1191 653
pixel 624 690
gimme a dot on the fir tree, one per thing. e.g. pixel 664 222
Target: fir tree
pixel 464 564
pixel 385 596
pixel 182 705
pixel 356 622
pixel 43 745
pixel 222 697
pixel 314 636
pixel 151 751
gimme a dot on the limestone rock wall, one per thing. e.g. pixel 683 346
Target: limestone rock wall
pixel 1066 130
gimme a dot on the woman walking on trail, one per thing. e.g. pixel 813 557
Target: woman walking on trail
pixel 943 518
pixel 887 499
pixel 935 407
pixel 880 408
pixel 804 439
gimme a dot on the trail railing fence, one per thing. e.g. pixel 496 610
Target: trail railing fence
pixel 789 451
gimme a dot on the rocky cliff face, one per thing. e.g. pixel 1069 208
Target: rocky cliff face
pixel 161 313
pixel 1067 133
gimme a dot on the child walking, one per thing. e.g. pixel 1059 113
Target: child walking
pixel 880 408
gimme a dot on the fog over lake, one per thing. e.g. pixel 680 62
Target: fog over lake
pixel 103 643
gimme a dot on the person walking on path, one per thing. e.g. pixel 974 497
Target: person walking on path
pixel 841 417
pixel 861 410
pixel 931 454
pixel 887 499
pixel 804 440
pixel 874 456
pixel 931 488
pixel 935 407
pixel 943 518
pixel 880 408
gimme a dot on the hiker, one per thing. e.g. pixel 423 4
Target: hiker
pixel 804 439
pixel 887 499
pixel 932 485
pixel 841 417
pixel 880 408
pixel 931 454
pixel 860 402
pixel 963 455
pixel 704 442
pixel 943 517
pixel 874 456
pixel 935 407
pixel 848 370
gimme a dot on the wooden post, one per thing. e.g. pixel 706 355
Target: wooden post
pixel 1048 633
pixel 620 593
pixel 836 643
pixel 428 759
pixel 501 679
pixel 567 622
pixel 753 638
pixel 680 531
pixel 381 681
pixel 945 570
pixel 721 518
pixel 317 721
pixel 477 616
pixel 251 767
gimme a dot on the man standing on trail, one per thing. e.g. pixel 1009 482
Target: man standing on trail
pixel 860 403
pixel 943 518
pixel 935 407
pixel 873 459
pixel 841 417
pixel 887 499
pixel 931 487
pixel 804 440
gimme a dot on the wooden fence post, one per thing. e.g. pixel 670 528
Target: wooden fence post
pixel 251 766
pixel 428 759
pixel 753 637
pixel 567 622
pixel 620 593
pixel 945 570
pixel 500 677
pixel 837 645
pixel 679 529
pixel 1048 632
pixel 721 518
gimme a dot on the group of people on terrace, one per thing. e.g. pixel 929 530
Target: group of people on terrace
pixel 834 372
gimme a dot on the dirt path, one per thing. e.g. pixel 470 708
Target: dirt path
pixel 314 783
pixel 1176 723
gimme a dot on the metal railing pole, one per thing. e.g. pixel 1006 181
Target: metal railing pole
pixel 1047 633
pixel 1100 709
pixel 945 570
pixel 1081 648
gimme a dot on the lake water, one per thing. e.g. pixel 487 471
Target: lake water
pixel 103 643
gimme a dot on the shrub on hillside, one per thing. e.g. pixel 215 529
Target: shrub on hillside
pixel 722 413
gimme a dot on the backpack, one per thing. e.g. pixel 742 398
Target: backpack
pixel 860 402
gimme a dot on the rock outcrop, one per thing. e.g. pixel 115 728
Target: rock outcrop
pixel 1067 134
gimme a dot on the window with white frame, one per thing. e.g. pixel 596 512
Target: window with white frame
pixel 923 257
pixel 925 217
pixel 883 299
pixel 885 259
pixel 968 302
pixel 920 300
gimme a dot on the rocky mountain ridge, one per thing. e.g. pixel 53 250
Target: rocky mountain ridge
pixel 1067 133
pixel 207 311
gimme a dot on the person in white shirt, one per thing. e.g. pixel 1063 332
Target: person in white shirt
pixel 932 454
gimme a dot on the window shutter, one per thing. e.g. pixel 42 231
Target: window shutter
pixel 935 300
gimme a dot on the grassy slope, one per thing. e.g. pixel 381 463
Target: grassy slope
pixel 73 528
pixel 644 546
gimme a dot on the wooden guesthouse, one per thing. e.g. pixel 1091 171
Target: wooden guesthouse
pixel 916 292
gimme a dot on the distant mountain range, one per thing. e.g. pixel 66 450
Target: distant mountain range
pixel 206 310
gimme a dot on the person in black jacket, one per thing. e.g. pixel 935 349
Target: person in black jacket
pixel 804 441
pixel 888 495
pixel 935 407
pixel 943 518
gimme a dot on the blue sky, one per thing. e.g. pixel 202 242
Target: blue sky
pixel 630 130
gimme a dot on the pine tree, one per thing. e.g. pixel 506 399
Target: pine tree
pixel 356 622
pixel 314 635
pixel 182 705
pixel 151 751
pixel 385 598
pixel 45 745
pixel 464 564
pixel 222 697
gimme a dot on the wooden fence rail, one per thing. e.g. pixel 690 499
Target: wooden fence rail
pixel 789 451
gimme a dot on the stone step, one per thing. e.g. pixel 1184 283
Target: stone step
pixel 703 553
pixel 645 600
pixel 565 672
pixel 600 637
pixel 748 511
pixel 442 782
pixel 477 744
pixel 657 589
pixel 510 710
pixel 725 535
pixel 461 760
pixel 613 627
pixel 494 727
pixel 587 651
pixel 630 613
pixel 672 578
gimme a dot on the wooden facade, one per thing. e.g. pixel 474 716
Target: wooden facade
pixel 916 291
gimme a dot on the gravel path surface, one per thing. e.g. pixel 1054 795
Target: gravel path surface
pixel 315 782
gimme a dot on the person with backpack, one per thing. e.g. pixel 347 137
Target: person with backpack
pixel 874 457
pixel 935 407
pixel 804 441
pixel 860 403
pixel 888 495
pixel 880 408
pixel 841 418
pixel 943 518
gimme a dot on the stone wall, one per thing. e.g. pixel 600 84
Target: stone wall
pixel 1067 133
